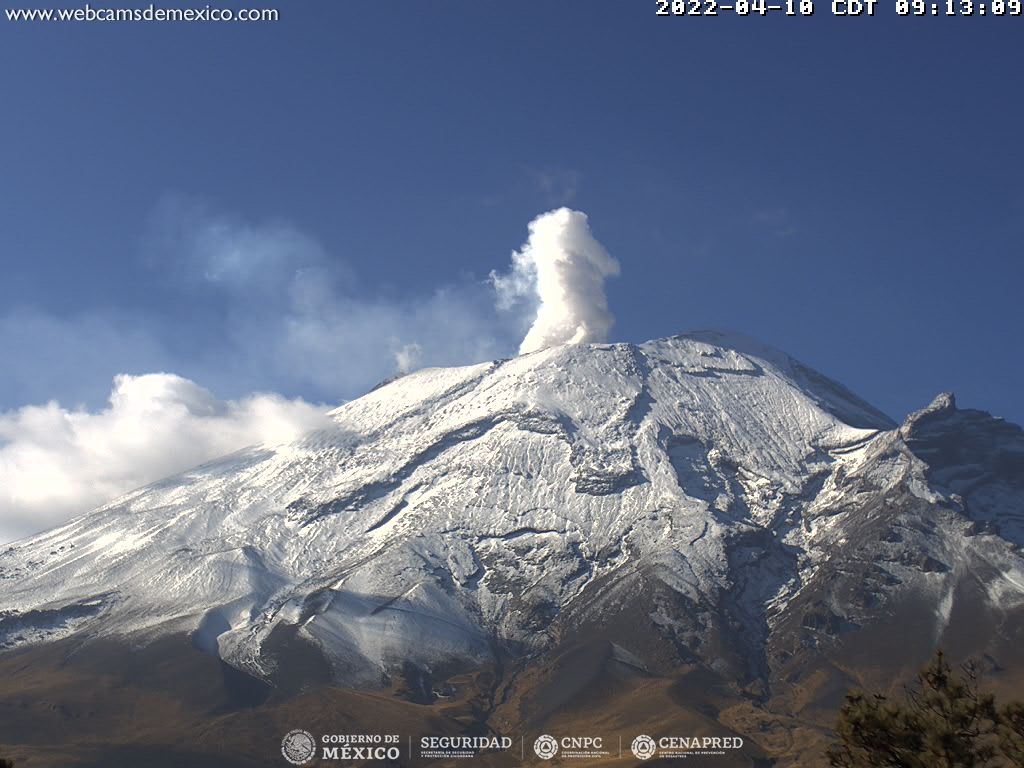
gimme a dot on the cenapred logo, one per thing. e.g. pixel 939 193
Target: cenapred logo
pixel 545 747
pixel 643 747
pixel 298 747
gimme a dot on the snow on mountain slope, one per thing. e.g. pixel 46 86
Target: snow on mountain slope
pixel 453 509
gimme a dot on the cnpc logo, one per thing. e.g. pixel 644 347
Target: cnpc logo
pixel 546 747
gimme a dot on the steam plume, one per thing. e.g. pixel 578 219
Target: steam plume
pixel 563 268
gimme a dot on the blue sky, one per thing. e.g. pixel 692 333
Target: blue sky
pixel 849 190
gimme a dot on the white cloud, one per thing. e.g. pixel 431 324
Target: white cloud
pixel 563 268
pixel 287 317
pixel 55 462
pixel 298 320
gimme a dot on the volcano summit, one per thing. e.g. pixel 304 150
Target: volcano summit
pixel 696 530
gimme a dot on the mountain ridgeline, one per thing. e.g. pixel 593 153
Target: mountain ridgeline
pixel 698 523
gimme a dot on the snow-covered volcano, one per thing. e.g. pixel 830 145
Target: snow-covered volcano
pixel 748 505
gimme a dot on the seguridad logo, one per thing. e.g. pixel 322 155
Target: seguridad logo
pixel 455 747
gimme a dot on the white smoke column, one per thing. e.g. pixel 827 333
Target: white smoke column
pixel 564 268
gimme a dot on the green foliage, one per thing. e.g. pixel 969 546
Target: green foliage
pixel 946 722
